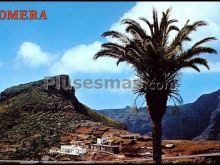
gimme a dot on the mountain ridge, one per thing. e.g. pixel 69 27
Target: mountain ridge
pixel 188 122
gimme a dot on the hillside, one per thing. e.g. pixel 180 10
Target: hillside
pixel 33 118
pixel 187 122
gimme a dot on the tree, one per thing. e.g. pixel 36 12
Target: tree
pixel 158 61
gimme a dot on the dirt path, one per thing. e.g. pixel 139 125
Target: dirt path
pixel 136 161
pixel 193 156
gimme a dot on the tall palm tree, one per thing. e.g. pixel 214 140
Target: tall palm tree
pixel 157 62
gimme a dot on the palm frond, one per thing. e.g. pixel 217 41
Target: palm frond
pixel 203 41
pixel 199 61
pixel 107 53
pixel 152 57
pixel 155 22
pixel 195 51
pixel 193 64
pixel 135 28
pixel 111 45
pixel 171 28
pixel 114 34
pixel 150 26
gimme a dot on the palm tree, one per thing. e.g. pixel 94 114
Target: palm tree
pixel 157 62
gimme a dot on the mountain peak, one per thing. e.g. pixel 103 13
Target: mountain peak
pixel 60 83
pixel 127 107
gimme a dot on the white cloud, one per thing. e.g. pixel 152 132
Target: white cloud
pixel 80 59
pixel 32 55
pixel 180 10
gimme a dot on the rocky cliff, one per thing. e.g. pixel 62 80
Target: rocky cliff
pixel 212 131
pixel 186 121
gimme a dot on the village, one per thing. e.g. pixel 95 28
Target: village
pixel 88 142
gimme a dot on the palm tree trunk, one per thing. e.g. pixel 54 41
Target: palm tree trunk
pixel 156 101
pixel 157 149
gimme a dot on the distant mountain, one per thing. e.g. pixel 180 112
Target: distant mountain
pixel 212 132
pixel 199 120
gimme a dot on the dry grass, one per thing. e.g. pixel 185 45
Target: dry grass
pixel 188 147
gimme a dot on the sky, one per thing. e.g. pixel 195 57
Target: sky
pixel 66 42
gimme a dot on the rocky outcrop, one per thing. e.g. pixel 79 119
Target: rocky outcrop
pixel 212 132
pixel 136 122
pixel 35 115
pixel 57 84
pixel 186 121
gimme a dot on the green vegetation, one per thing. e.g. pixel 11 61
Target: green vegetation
pixel 101 118
pixel 34 119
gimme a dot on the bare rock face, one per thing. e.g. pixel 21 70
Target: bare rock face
pixel 212 132
pixel 48 82
pixel 186 122
pixel 50 94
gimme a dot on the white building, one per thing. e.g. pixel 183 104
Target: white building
pixel 72 150
pixel 101 141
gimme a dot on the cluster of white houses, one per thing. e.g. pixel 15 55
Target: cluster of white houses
pixel 107 144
